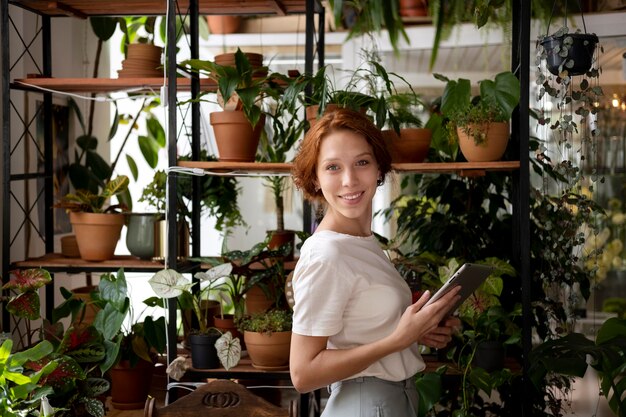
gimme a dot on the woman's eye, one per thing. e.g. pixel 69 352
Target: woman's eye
pixel 363 162
pixel 331 167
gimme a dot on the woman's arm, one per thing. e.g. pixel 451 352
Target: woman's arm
pixel 313 366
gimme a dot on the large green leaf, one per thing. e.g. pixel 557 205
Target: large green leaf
pixel 155 130
pixel 109 321
pixel 505 91
pixel 35 353
pixel 103 27
pixel 149 149
pixel 429 388
pixel 456 97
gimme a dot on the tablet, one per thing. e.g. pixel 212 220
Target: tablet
pixel 469 277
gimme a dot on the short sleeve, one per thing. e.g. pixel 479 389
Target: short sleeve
pixel 321 294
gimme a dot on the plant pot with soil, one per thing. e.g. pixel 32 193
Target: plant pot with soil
pixel 204 333
pixel 96 226
pixel 480 124
pixel 268 338
pixel 241 87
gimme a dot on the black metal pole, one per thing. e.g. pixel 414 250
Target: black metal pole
pixel 48 157
pixel 172 160
pixel 521 182
pixel 6 154
pixel 195 130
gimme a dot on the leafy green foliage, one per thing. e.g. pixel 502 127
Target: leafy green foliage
pixel 86 201
pixel 239 87
pixel 20 391
pixel 268 322
pixel 218 195
pixel 496 102
pixel 568 355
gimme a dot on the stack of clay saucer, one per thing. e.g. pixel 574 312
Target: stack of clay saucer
pixel 256 61
pixel 142 60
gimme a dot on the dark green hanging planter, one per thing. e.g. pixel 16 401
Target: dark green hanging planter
pixel 572 52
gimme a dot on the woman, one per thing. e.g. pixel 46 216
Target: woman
pixel 354 327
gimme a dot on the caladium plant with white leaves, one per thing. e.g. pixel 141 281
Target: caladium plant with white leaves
pixel 169 283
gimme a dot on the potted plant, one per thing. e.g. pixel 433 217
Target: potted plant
pixel 323 96
pixel 481 124
pixel 287 127
pixel 409 140
pixel 132 349
pixel 368 16
pixel 268 338
pixel 168 283
pixel 240 90
pixel 573 354
pixel 568 53
pixel 218 197
pixel 96 225
pixel 70 373
pixel 21 393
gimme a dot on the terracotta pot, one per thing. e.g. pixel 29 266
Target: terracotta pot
pixel 312 112
pixel 257 301
pixel 209 308
pixel 235 138
pixel 227 324
pixel 69 246
pixel 268 351
pixel 228 58
pixel 130 385
pixel 280 238
pixel 491 149
pixel 223 24
pixel 410 147
pixel 142 60
pixel 413 7
pixel 97 234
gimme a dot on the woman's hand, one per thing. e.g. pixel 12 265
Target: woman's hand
pixel 419 323
pixel 441 335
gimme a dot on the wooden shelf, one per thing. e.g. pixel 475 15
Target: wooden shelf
pixel 55 262
pixel 245 370
pixel 258 168
pixel 86 8
pixel 106 85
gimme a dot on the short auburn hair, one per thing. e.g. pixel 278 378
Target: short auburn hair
pixel 304 171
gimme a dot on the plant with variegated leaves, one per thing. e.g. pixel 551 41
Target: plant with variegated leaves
pixel 169 283
pixel 67 371
pixel 24 304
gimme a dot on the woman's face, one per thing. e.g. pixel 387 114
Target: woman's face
pixel 347 173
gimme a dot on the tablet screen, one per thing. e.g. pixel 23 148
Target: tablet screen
pixel 469 277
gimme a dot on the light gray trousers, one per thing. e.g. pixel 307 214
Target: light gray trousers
pixel 371 397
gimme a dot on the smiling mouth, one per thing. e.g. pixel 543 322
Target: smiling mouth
pixel 351 197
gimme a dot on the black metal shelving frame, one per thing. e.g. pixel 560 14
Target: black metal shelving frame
pixel 521 210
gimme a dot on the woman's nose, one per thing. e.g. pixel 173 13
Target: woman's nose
pixel 349 177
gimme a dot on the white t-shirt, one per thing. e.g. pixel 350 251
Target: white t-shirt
pixel 346 288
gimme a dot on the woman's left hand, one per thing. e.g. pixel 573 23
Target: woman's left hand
pixel 441 335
